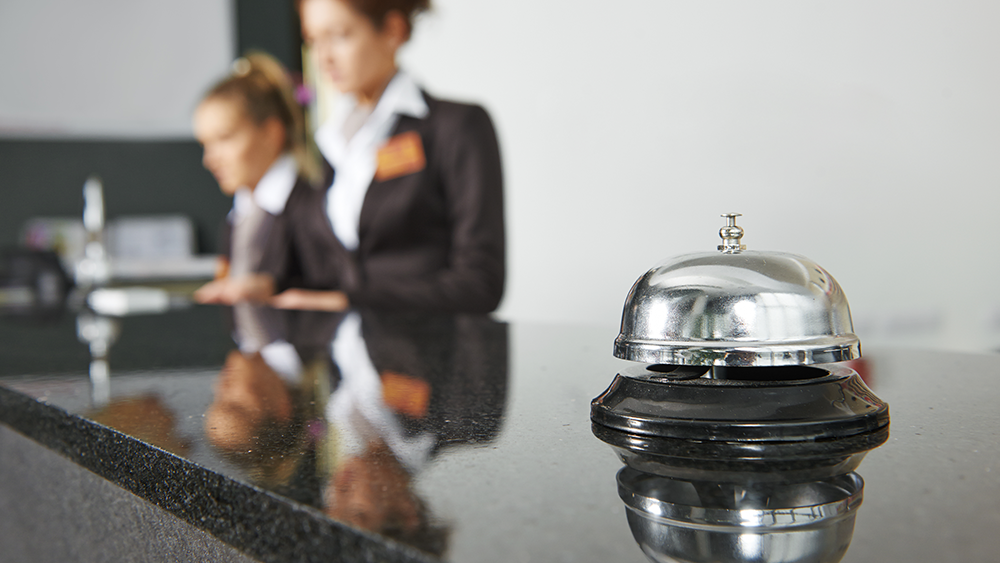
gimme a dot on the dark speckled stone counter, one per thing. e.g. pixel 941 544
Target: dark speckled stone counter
pixel 261 524
pixel 315 437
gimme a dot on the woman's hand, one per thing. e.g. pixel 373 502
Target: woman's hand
pixel 212 291
pixel 309 299
pixel 227 291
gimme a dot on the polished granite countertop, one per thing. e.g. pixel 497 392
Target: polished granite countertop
pixel 405 437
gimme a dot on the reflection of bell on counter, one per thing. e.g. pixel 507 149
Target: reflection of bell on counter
pixel 702 521
pixel 728 408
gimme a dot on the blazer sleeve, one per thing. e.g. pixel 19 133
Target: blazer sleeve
pixel 472 181
pixel 280 257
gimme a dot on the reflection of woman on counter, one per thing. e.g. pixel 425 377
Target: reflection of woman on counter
pixel 253 134
pixel 407 388
pixel 259 418
pixel 374 457
pixel 344 411
pixel 414 216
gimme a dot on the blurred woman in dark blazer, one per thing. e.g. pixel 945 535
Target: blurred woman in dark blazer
pixel 414 216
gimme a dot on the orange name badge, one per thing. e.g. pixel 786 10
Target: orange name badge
pixel 405 394
pixel 400 155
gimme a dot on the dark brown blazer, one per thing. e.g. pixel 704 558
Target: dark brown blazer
pixel 428 240
pixel 272 235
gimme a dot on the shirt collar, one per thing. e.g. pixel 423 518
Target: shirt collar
pixel 402 96
pixel 276 184
pixel 272 190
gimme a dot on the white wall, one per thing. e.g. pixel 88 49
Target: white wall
pixel 109 68
pixel 862 134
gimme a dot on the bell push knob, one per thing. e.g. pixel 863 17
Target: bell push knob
pixel 731 235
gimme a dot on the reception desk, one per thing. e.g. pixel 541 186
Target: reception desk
pixel 247 434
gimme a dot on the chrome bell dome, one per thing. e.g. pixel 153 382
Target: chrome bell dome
pixel 737 308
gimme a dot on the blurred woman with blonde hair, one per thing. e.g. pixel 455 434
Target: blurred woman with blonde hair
pixel 255 144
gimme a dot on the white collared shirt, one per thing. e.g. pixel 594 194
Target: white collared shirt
pixel 271 192
pixel 357 409
pixel 284 360
pixel 354 161
pixel 250 216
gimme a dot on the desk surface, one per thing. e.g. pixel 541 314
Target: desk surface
pixel 458 437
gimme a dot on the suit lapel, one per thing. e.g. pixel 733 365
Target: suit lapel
pixel 383 195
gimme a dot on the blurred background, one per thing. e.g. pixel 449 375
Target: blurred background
pixel 859 134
